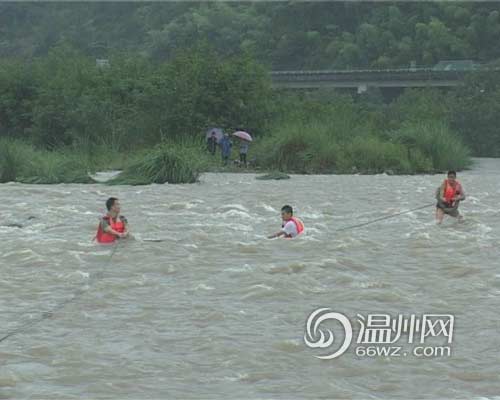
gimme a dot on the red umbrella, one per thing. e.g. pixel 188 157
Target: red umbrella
pixel 243 135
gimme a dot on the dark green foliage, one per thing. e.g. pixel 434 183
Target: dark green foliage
pixel 475 113
pixel 64 99
pixel 18 91
pixel 284 35
pixel 418 105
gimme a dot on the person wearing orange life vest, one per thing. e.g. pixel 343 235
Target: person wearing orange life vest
pixel 448 197
pixel 291 226
pixel 112 226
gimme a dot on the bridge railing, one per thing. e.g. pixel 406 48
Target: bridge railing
pixel 388 74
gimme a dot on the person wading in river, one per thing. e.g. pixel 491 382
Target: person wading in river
pixel 291 226
pixel 113 225
pixel 448 196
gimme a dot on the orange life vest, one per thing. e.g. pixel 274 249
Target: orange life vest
pixel 298 224
pixel 450 191
pixel 105 237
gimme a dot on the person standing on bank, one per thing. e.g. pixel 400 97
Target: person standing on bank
pixel 225 148
pixel 245 139
pixel 448 196
pixel 212 143
pixel 244 145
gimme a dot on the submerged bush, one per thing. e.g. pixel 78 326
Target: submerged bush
pixel 167 163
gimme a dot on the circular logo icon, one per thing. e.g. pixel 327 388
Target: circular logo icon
pixel 315 337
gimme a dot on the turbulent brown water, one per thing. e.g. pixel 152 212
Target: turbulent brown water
pixel 218 311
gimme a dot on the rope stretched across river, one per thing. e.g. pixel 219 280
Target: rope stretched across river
pixel 48 314
pixel 384 218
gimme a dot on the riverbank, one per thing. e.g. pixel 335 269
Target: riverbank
pixel 417 150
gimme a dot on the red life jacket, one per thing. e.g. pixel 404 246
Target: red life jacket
pixel 299 225
pixel 450 191
pixel 105 237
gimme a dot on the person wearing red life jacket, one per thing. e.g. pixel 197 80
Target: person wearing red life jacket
pixel 112 226
pixel 448 197
pixel 291 226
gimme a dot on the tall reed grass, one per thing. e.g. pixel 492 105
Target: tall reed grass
pixel 170 162
pixel 325 147
pixel 15 160
pixel 434 142
pixel 21 162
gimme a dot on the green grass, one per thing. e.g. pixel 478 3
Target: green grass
pixel 321 147
pixel 58 167
pixel 21 162
pixel 166 163
pixel 300 147
pixel 433 144
pixel 325 147
pixel 15 159
pixel 333 145
pixel 102 158
pixel 180 162
pixel 374 155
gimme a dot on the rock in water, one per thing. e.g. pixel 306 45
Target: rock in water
pixel 273 176
pixel 14 225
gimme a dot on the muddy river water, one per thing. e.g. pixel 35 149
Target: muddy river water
pixel 215 310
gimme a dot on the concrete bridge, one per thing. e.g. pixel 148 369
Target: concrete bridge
pixel 361 80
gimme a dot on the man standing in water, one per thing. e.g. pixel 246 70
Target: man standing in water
pixel 448 197
pixel 113 225
pixel 291 226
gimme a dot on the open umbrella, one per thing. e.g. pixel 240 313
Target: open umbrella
pixel 243 135
pixel 218 133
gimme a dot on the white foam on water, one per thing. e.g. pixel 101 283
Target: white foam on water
pixel 85 275
pixel 269 208
pixel 232 214
pixel 203 286
pixel 240 269
pixel 311 215
pixel 230 207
